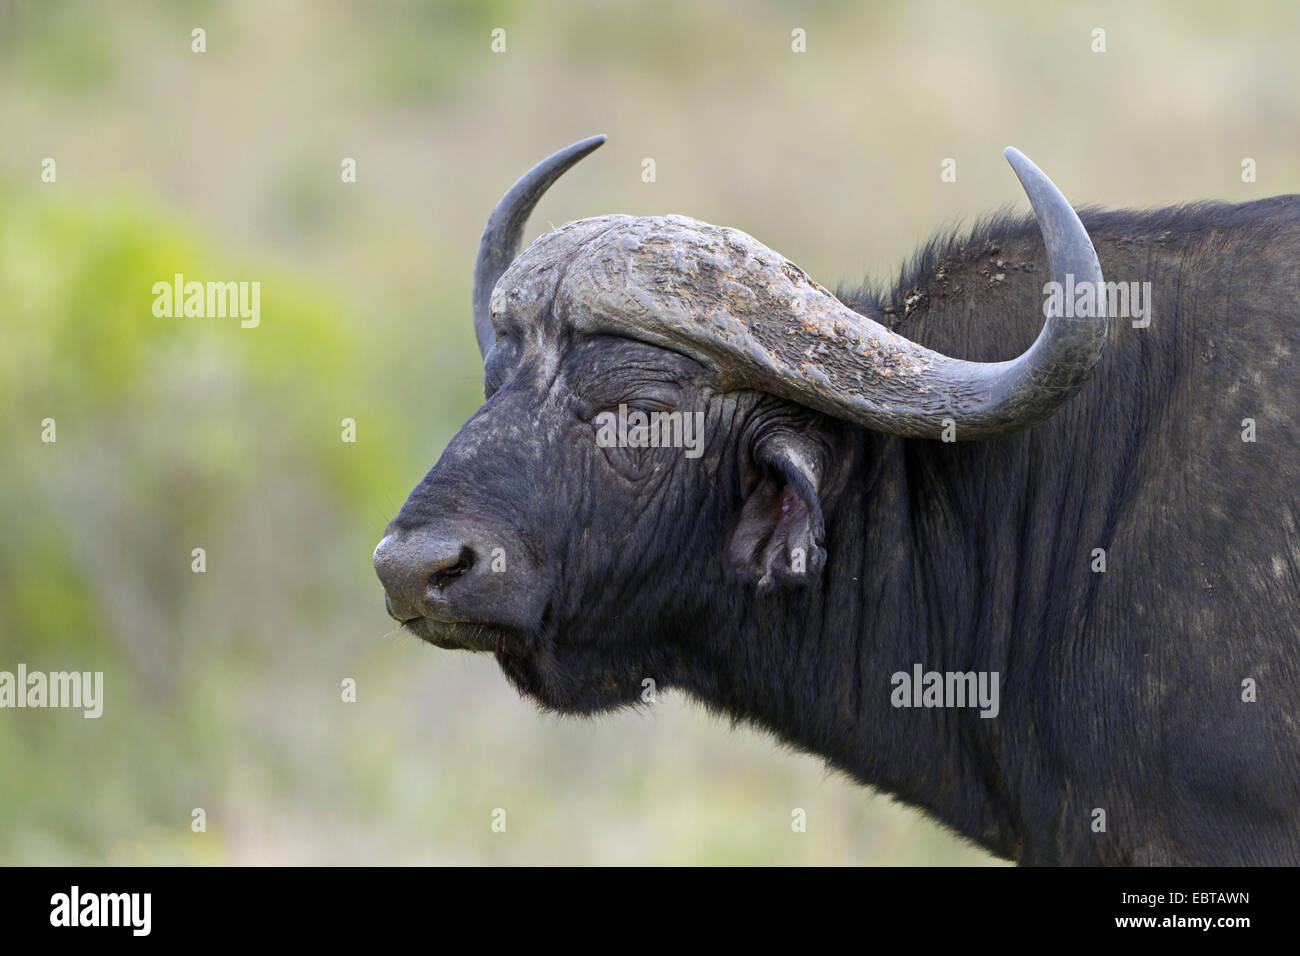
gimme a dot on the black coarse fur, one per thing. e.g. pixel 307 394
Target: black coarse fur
pixel 1121 692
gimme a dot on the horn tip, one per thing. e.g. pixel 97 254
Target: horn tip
pixel 1036 182
pixel 1018 160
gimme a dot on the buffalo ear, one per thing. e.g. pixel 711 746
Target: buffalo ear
pixel 780 533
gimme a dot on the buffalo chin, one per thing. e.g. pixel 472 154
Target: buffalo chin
pixel 542 676
pixel 461 635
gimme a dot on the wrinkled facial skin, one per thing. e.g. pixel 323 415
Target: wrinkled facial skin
pixel 585 569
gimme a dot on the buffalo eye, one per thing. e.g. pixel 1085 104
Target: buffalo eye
pixel 624 435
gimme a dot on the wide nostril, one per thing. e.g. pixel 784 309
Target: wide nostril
pixel 418 568
pixel 450 568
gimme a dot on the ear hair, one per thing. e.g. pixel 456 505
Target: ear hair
pixel 781 530
pixel 780 456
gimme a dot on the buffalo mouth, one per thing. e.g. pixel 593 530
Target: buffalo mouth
pixel 462 635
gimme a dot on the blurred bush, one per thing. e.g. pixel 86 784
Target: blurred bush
pixel 172 434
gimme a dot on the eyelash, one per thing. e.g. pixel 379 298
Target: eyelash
pixel 646 406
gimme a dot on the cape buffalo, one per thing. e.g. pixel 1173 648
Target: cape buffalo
pixel 1036 577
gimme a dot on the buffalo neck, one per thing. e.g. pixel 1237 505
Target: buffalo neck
pixel 817 665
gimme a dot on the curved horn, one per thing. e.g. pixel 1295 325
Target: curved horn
pixel 1028 389
pixel 505 228
pixel 765 325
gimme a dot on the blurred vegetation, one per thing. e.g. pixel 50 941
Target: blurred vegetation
pixel 223 688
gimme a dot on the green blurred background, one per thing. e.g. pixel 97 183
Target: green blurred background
pixel 223 688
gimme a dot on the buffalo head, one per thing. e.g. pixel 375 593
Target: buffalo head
pixel 564 533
